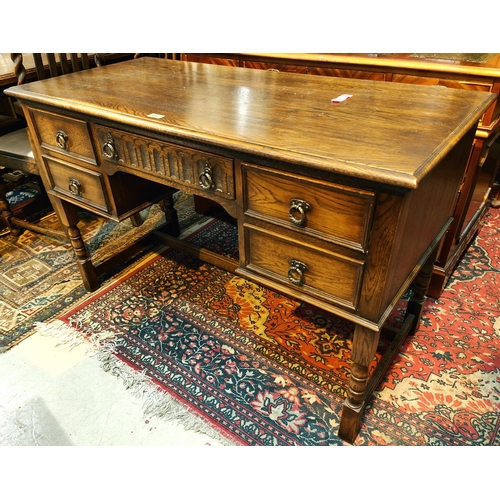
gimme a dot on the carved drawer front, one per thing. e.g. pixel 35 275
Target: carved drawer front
pixel 186 167
pixel 331 277
pixel 67 136
pixel 335 213
pixel 82 185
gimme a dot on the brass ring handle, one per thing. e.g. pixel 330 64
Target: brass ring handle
pixel 109 150
pixel 296 272
pixel 75 187
pixel 206 178
pixel 62 139
pixel 297 212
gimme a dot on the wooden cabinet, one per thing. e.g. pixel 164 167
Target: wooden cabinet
pixel 478 72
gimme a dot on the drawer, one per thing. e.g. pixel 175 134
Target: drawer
pixel 334 213
pixel 331 277
pixel 81 185
pixel 64 135
pixel 186 168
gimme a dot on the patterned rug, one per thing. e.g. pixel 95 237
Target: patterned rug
pixel 264 369
pixel 38 274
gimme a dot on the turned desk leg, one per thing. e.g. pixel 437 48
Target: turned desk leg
pixel 167 205
pixel 419 292
pixel 365 343
pixel 69 219
pixel 364 347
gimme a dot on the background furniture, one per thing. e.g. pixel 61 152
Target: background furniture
pixel 480 72
pixel 345 221
pixel 16 158
pixel 18 167
pixel 9 77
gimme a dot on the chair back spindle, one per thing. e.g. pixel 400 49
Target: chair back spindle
pixel 15 147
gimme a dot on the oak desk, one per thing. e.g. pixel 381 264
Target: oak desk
pixel 340 205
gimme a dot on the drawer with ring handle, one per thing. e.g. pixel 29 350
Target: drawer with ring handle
pixel 296 272
pixel 63 135
pixel 298 212
pixel 322 209
pixel 315 271
pixel 109 149
pixel 75 187
pixel 185 167
pixel 77 183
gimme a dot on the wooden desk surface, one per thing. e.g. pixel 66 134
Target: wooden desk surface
pixel 388 132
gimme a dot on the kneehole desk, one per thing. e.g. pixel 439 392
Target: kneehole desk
pixel 339 204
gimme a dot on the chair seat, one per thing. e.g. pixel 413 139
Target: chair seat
pixel 22 196
pixel 23 193
pixel 16 153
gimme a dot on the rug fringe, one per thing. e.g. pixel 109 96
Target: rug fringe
pixel 155 401
pixel 73 336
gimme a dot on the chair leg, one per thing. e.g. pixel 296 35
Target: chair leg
pixel 17 222
pixel 6 213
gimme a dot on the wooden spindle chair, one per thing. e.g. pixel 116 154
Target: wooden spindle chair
pixel 17 163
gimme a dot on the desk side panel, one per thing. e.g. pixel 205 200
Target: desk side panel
pixel 425 211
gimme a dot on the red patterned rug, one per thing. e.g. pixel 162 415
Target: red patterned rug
pixel 264 369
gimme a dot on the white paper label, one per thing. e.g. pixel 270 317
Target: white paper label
pixel 341 98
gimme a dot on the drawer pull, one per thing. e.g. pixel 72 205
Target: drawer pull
pixel 62 139
pixel 297 212
pixel 109 150
pixel 206 178
pixel 296 272
pixel 75 187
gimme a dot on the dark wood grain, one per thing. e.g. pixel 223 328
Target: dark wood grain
pixel 282 116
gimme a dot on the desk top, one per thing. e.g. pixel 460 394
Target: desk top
pixel 386 132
